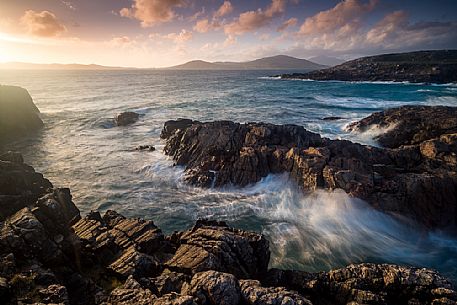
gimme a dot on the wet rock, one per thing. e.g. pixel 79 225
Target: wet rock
pixel 170 127
pixel 409 125
pixel 332 118
pixel 417 181
pixel 254 294
pixel 126 118
pixel 214 288
pixel 145 147
pixel 18 114
pixel 214 246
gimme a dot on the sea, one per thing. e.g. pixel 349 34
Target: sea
pixel 81 148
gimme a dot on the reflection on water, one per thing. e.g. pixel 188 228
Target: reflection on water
pixel 80 148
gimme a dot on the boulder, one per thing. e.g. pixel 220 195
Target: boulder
pixel 126 118
pixel 214 288
pixel 254 294
pixel 215 246
pixel 18 114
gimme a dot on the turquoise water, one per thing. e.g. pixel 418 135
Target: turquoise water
pixel 81 149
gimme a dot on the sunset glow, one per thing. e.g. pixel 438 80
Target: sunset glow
pixel 154 33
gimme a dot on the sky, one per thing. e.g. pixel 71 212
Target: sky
pixel 160 33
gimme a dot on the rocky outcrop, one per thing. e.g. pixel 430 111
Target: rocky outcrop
pixel 18 114
pixel 50 255
pixel 438 66
pixel 126 118
pixel 418 180
pixel 409 125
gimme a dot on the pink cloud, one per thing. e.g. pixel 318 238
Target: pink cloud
pixel 288 23
pixel 43 23
pixel 253 20
pixel 151 12
pixel 344 13
pixel 225 9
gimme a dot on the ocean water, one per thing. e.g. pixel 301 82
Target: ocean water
pixel 80 148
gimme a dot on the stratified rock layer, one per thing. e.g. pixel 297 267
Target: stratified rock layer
pixel 438 66
pixel 50 255
pixel 18 115
pixel 418 180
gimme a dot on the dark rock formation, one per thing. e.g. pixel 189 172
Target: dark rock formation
pixel 145 147
pixel 126 118
pixel 18 114
pixel 48 254
pixel 416 67
pixel 419 181
pixel 409 125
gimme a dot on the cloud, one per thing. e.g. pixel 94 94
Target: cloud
pixel 252 20
pixel 203 26
pixel 123 41
pixel 346 13
pixel 387 27
pixel 288 23
pixel 225 9
pixel 151 12
pixel 44 24
pixel 180 37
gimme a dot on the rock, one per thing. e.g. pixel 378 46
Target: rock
pixel 133 262
pixel 126 118
pixel 214 288
pixel 170 127
pixel 332 118
pixel 146 147
pixel 254 294
pixel 367 284
pixel 169 282
pixel 55 294
pixel 409 125
pixel 214 246
pixel 418 181
pixel 18 114
pixel 439 66
pixel 174 299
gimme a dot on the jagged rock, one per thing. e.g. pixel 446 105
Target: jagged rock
pixel 254 294
pixel 126 118
pixel 54 294
pixel 214 288
pixel 145 147
pixel 170 281
pixel 18 114
pixel 215 246
pixel 438 66
pixel 417 181
pixel 174 299
pixel 170 127
pixel 20 185
pixel 409 125
pixel 133 262
pixel 367 284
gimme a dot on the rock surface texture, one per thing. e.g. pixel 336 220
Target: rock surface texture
pixel 126 118
pixel 50 255
pixel 416 177
pixel 417 67
pixel 18 114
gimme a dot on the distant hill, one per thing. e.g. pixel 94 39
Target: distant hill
pixel 437 66
pixel 327 60
pixel 279 62
pixel 32 66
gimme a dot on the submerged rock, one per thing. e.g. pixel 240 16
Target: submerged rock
pixel 18 114
pixel 418 181
pixel 126 118
pixel 145 147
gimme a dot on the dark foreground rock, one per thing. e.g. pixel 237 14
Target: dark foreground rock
pixel 126 118
pixel 438 66
pixel 50 255
pixel 18 115
pixel 418 180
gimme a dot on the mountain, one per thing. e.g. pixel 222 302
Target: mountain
pixel 437 66
pixel 279 62
pixel 33 66
pixel 327 60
